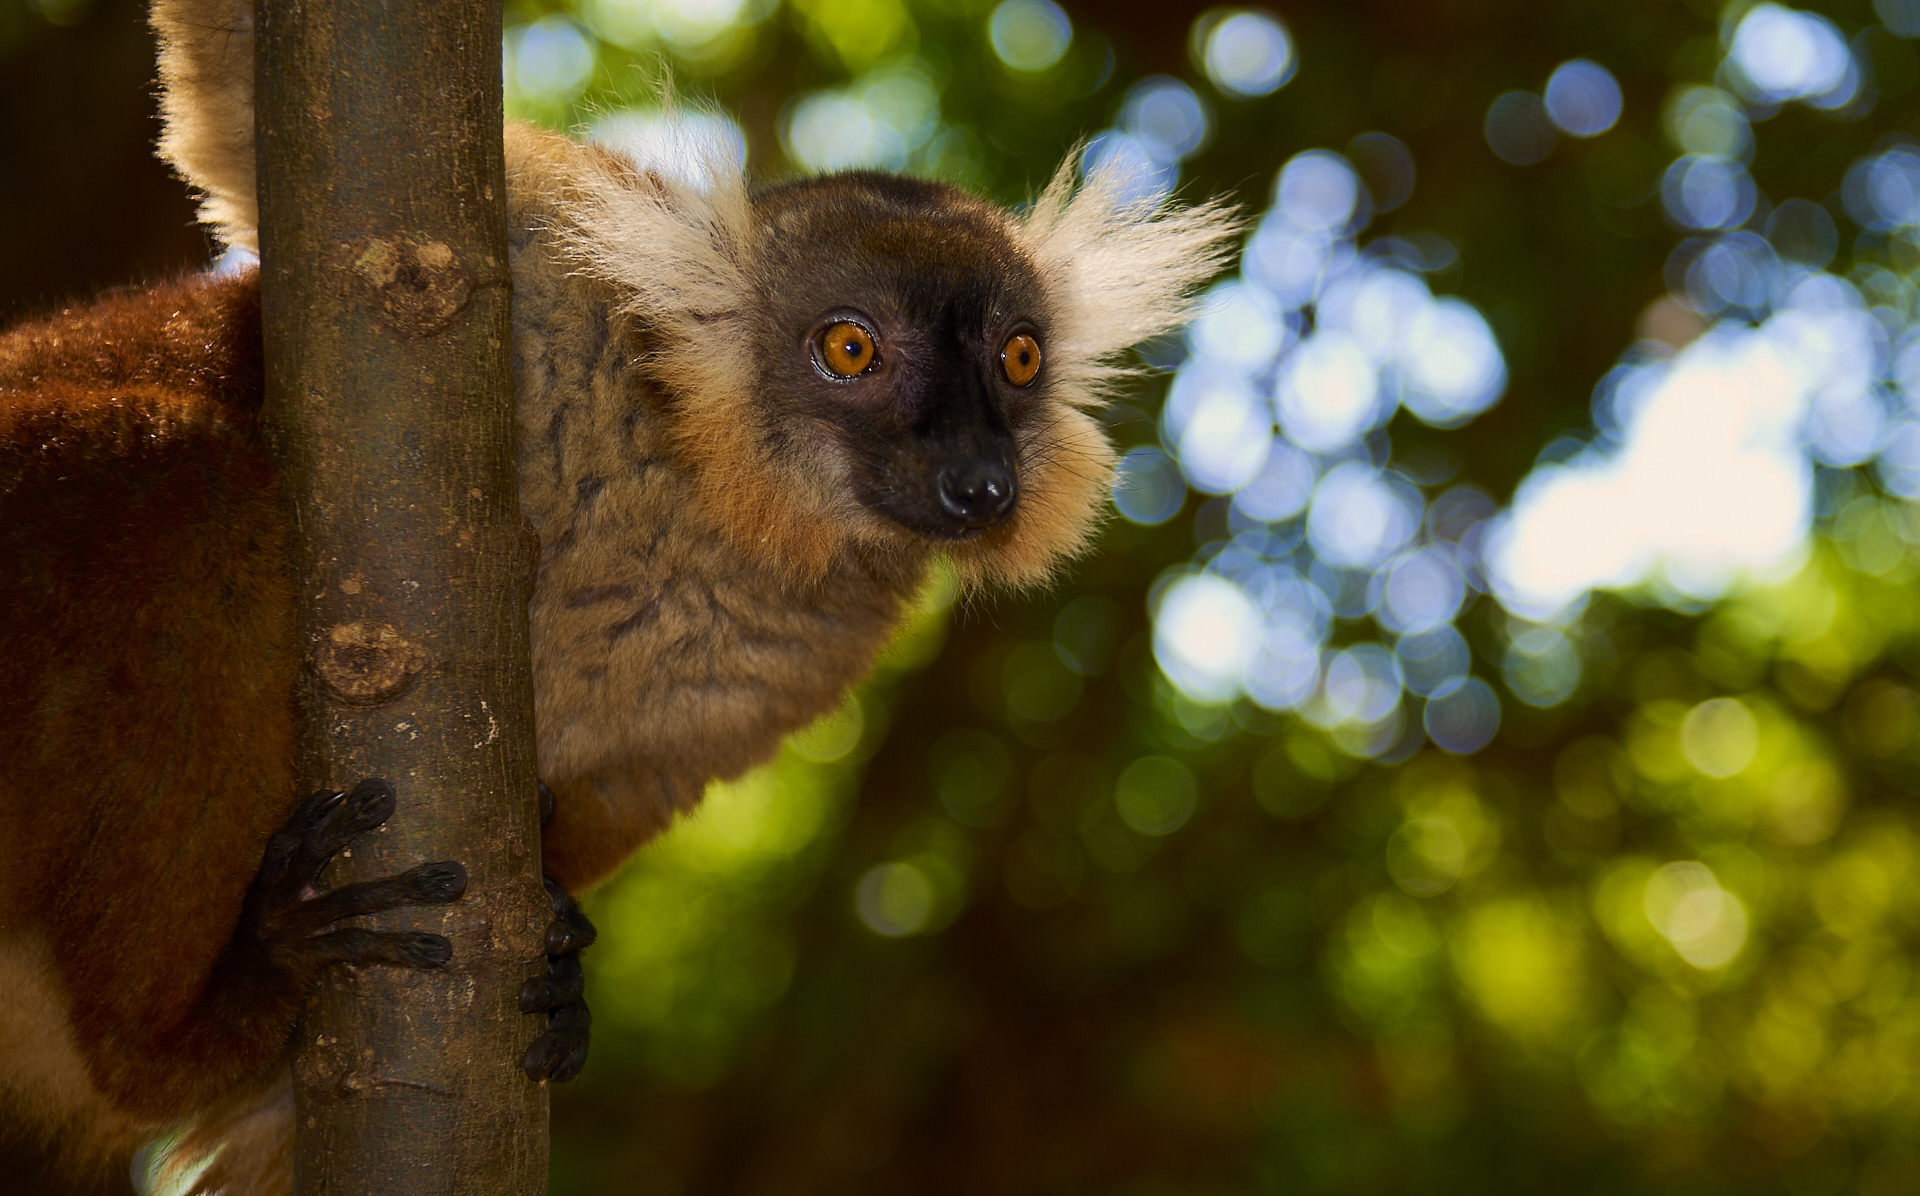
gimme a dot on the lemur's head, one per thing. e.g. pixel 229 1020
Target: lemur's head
pixel 869 363
pixel 902 320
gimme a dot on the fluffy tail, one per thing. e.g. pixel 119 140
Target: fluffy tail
pixel 206 101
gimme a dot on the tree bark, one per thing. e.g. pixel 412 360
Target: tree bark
pixel 389 408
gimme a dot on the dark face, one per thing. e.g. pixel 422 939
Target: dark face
pixel 906 323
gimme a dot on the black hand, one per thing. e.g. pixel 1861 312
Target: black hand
pixel 561 1052
pixel 290 915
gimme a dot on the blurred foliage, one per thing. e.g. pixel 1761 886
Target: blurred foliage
pixel 1025 918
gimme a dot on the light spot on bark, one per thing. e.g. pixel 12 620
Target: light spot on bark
pixel 419 287
pixel 366 664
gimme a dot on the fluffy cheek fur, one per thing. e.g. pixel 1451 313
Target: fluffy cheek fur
pixel 779 496
pixel 1065 469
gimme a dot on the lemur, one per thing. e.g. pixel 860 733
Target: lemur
pixel 747 422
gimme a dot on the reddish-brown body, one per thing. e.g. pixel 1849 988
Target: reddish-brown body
pixel 147 715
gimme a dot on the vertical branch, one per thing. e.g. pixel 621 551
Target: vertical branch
pixel 389 406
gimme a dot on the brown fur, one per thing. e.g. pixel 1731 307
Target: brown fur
pixel 148 718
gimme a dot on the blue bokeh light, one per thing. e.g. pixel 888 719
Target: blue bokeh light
pixel 1029 35
pixel 1248 54
pixel 1583 98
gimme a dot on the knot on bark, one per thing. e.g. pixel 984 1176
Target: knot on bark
pixel 365 664
pixel 419 288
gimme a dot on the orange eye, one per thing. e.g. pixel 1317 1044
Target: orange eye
pixel 847 350
pixel 1020 358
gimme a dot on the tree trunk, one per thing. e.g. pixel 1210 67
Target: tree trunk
pixel 389 407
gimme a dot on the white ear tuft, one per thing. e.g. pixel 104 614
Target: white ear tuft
pixel 696 147
pixel 672 228
pixel 206 102
pixel 1118 271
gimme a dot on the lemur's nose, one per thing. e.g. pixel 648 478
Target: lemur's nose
pixel 978 493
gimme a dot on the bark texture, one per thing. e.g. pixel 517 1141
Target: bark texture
pixel 389 408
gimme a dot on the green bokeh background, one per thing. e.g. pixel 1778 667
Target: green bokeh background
pixel 1336 977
